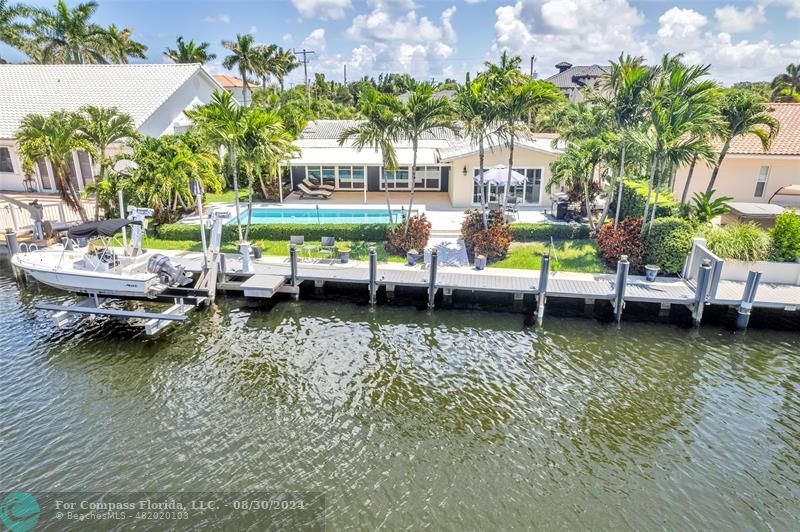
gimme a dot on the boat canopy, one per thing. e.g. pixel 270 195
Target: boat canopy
pixel 104 228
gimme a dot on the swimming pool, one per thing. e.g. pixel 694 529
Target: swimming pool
pixel 321 216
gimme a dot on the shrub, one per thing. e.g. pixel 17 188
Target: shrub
pixel 669 243
pixel 786 237
pixel 527 232
pixel 624 240
pixel 398 241
pixel 357 232
pixel 746 242
pixel 492 242
pixel 634 196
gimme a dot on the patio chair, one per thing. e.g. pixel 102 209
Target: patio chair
pixel 327 246
pixel 298 242
pixel 305 191
pixel 313 186
pixel 512 208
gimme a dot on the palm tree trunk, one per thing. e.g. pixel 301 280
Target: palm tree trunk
pixel 249 206
pixel 649 189
pixel 246 86
pixel 655 200
pixel 102 178
pixel 482 184
pixel 236 191
pixel 688 180
pixel 386 188
pixel 263 186
pixel 587 185
pixel 621 177
pixel 69 194
pixel 413 184
pixel 714 173
pixel 510 169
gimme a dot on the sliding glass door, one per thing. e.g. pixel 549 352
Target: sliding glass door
pixel 528 193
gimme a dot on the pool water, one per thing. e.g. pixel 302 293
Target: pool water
pixel 320 216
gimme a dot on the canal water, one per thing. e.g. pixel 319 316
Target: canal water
pixel 403 419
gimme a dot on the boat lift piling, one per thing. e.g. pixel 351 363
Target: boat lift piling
pixel 749 295
pixel 373 275
pixel 293 270
pixel 701 292
pixel 541 295
pixel 623 267
pixel 432 279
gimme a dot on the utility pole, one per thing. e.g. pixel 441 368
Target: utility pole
pixel 345 73
pixel 533 63
pixel 305 69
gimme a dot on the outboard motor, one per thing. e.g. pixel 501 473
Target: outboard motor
pixel 169 273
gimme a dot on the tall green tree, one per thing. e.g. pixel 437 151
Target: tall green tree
pixel 377 131
pixel 743 113
pixel 421 114
pixel 244 57
pixel 221 123
pixel 66 35
pixel 787 84
pixel 120 46
pixel 190 52
pixel 264 66
pixel 283 64
pixel 623 93
pixel 12 25
pixel 101 127
pixel 54 137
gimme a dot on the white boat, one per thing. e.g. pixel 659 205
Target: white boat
pixel 97 269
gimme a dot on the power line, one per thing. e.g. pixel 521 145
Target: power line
pixel 305 68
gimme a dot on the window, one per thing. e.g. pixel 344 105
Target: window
pixel 44 174
pixel 351 177
pixel 397 179
pixel 761 181
pixel 321 175
pixel 5 161
pixel 428 177
pixel 85 163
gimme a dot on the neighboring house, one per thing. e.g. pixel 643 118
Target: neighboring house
pixel 446 94
pixel 445 163
pixel 154 95
pixel 747 173
pixel 233 85
pixel 573 80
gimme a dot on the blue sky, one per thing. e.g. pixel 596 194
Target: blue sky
pixel 743 40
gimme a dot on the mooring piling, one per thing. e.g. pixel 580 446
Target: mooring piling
pixel 623 267
pixel 432 278
pixel 293 269
pixel 373 275
pixel 749 295
pixel 541 296
pixel 701 292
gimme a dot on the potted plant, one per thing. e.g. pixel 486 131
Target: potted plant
pixel 651 272
pixel 480 262
pixel 411 257
pixel 344 255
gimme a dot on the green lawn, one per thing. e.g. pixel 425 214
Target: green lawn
pixel 569 256
pixel 358 250
pixel 225 197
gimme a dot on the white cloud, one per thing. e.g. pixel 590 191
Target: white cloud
pixel 287 37
pixel 679 24
pixel 223 19
pixel 792 6
pixel 322 9
pixel 315 41
pixel 253 29
pixel 733 20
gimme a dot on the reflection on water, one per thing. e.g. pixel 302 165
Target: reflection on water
pixel 407 419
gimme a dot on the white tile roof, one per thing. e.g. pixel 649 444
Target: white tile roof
pixel 332 129
pixel 137 89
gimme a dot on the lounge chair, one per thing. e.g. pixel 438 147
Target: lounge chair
pixel 313 186
pixel 305 191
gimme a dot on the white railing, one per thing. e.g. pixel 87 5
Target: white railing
pixel 19 219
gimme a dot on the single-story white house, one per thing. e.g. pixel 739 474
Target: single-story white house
pixel 155 95
pixel 748 174
pixel 446 162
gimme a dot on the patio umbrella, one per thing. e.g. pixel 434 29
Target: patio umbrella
pixel 499 176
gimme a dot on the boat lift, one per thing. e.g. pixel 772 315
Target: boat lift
pixel 183 300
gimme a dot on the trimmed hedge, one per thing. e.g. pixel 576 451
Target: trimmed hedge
pixel 634 196
pixel 352 232
pixel 526 232
pixel 669 244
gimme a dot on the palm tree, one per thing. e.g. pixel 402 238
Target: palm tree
pixel 189 52
pixel 284 62
pixel 54 138
pixel 786 84
pixel 623 95
pixel 576 168
pixel 421 114
pixel 477 111
pixel 220 123
pixel 244 56
pixel 265 65
pixel 12 30
pixel 514 103
pixel 68 36
pixel 101 127
pixel 120 46
pixel 743 113
pixel 376 131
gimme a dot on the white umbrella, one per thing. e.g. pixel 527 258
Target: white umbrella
pixel 499 176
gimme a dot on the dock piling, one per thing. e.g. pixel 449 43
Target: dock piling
pixel 373 275
pixel 701 292
pixel 11 242
pixel 541 295
pixel 432 279
pixel 623 267
pixel 293 269
pixel 749 295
